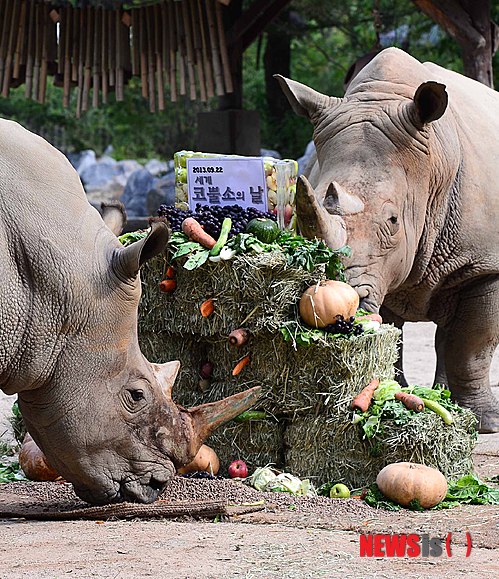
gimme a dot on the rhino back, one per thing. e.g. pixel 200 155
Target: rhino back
pixel 52 243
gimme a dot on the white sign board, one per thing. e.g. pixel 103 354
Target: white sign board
pixel 227 181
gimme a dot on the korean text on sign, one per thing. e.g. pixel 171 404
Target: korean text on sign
pixel 227 181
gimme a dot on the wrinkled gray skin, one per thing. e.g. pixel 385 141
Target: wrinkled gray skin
pixel 102 414
pixel 407 174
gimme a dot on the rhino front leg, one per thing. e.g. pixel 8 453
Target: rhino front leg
pixel 390 318
pixel 472 337
pixel 440 341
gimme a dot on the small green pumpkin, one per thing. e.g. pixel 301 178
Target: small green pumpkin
pixel 265 230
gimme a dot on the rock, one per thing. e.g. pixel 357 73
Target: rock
pixel 127 167
pixel 156 167
pixel 82 160
pixel 269 153
pixel 305 159
pixel 136 193
pixel 103 180
pixel 162 193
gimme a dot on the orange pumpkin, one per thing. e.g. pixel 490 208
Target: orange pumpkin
pixel 403 482
pixel 322 303
pixel 206 459
pixel 33 462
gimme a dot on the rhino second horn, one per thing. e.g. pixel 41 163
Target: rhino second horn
pixel 207 418
pixel 338 201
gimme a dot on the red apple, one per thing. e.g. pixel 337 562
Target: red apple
pixel 238 469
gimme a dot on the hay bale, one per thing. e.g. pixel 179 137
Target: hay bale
pixel 324 376
pixel 258 291
pixel 323 449
pixel 258 443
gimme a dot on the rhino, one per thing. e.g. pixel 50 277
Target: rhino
pixel 101 413
pixel 407 174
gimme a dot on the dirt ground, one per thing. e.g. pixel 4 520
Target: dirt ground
pixel 281 542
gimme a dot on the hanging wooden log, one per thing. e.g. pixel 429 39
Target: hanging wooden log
pixel 150 58
pixel 87 68
pixel 111 49
pixel 198 55
pixel 66 33
pixel 173 52
pixel 143 54
pixel 29 51
pixel 104 57
pixel 38 50
pixel 14 18
pixel 96 72
pixel 81 61
pixel 223 50
pixel 159 48
pixel 215 55
pixel 4 40
pixel 20 41
pixel 75 48
pixel 189 49
pixel 208 73
pixel 180 48
pixel 44 58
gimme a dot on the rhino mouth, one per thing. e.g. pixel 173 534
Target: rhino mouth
pixel 129 489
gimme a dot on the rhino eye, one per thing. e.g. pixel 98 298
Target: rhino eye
pixel 393 224
pixel 137 395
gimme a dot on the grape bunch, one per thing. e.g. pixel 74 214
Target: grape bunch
pixel 201 474
pixel 345 327
pixel 212 216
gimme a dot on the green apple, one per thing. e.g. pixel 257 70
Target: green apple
pixel 339 491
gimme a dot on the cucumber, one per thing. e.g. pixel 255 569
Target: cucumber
pixel 251 415
pixel 438 409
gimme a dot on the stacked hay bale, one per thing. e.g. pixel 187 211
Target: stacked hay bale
pixel 306 391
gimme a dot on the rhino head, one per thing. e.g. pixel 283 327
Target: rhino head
pixel 104 416
pixel 377 161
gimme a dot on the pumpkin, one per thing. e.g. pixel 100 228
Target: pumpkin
pixel 322 303
pixel 206 459
pixel 404 482
pixel 33 462
pixel 265 230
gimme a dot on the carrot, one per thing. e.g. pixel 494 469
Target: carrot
pixel 167 286
pixel 238 337
pixel 364 397
pixel 194 231
pixel 240 365
pixel 170 272
pixel 207 308
pixel 410 401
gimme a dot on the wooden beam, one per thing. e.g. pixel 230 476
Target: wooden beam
pixel 450 15
pixel 252 22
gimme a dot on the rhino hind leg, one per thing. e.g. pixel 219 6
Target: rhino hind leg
pixel 471 339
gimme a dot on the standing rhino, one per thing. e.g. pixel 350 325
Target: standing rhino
pixel 69 292
pixel 407 174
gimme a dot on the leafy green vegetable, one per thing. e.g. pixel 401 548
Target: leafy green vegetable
pixel 469 489
pixel 197 259
pixel 385 407
pixel 10 471
pixel 375 498
pixel 132 237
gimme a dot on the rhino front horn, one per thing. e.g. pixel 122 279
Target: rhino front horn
pixel 208 417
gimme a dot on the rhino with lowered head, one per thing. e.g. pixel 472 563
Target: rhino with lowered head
pixel 102 414
pixel 407 174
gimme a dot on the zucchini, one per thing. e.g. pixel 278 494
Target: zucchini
pixel 222 239
pixel 438 409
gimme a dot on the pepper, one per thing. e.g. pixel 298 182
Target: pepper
pixel 224 235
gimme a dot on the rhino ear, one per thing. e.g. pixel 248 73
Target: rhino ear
pixel 430 101
pixel 128 261
pixel 304 100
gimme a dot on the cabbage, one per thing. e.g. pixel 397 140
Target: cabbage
pixel 261 477
pixel 386 391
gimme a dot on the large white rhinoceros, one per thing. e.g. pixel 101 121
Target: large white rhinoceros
pixel 407 174
pixel 69 291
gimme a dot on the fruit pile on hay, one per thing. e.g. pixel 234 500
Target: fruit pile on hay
pixel 303 420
